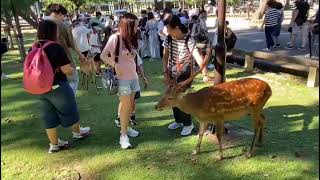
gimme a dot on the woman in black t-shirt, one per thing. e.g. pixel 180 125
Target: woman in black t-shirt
pixel 59 105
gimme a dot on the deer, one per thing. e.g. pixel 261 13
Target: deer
pixel 219 103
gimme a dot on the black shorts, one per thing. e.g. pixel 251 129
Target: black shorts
pixel 85 53
pixel 97 57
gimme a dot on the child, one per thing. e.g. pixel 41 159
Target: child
pixel 95 47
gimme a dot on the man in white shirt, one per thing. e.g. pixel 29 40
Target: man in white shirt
pixel 80 35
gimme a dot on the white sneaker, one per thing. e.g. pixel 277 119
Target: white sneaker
pixel 132 133
pixel 266 49
pixel 174 125
pixel 186 130
pixel 3 76
pixel 84 132
pixel 53 148
pixel 124 142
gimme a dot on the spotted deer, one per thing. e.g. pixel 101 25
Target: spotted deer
pixel 219 103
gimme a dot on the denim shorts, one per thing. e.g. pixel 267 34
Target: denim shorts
pixel 59 107
pixel 127 87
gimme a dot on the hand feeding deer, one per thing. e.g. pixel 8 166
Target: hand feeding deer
pixel 224 102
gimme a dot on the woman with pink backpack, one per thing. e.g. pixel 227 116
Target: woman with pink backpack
pixel 45 75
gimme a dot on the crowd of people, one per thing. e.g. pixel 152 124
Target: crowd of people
pixel 117 45
pixel 174 38
pixel 299 28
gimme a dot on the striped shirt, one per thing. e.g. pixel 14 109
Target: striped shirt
pixel 272 17
pixel 180 51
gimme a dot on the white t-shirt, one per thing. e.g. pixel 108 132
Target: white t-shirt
pixel 163 28
pixel 80 37
pixel 94 41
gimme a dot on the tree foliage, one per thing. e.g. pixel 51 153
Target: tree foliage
pixel 233 2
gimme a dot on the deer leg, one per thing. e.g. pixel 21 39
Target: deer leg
pixel 202 128
pixel 261 122
pixel 256 119
pixel 220 129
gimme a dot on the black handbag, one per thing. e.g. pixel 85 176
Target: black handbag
pixel 108 76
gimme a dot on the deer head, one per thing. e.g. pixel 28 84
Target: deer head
pixel 173 91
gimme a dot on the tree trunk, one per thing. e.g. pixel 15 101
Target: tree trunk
pixel 30 21
pixel 19 33
pixel 259 13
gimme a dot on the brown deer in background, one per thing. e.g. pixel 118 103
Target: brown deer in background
pixel 219 103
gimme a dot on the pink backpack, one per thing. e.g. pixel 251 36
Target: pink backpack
pixel 38 72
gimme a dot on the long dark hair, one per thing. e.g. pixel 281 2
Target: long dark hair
pixel 126 29
pixel 47 30
pixel 174 22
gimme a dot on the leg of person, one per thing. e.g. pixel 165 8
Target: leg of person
pixel 124 120
pixel 51 119
pixel 268 37
pixel 304 35
pixel 135 88
pixel 187 123
pixel 161 47
pixel 64 102
pixel 117 120
pixel 124 93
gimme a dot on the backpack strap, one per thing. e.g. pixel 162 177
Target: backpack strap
pixel 116 59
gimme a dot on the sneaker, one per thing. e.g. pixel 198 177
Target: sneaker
pixel 132 133
pixel 186 130
pixel 62 144
pixel 277 46
pixel 117 121
pixel 53 148
pixel 174 125
pixel 314 57
pixel 3 76
pixel 289 47
pixel 266 49
pixel 301 48
pixel 124 142
pixel 84 132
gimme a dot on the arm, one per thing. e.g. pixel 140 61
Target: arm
pixel 68 70
pixel 72 45
pixel 294 16
pixel 201 61
pixel 107 56
pixel 165 65
pixel 142 75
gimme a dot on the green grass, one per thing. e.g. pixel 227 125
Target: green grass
pixel 292 126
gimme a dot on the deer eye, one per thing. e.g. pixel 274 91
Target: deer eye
pixel 170 98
